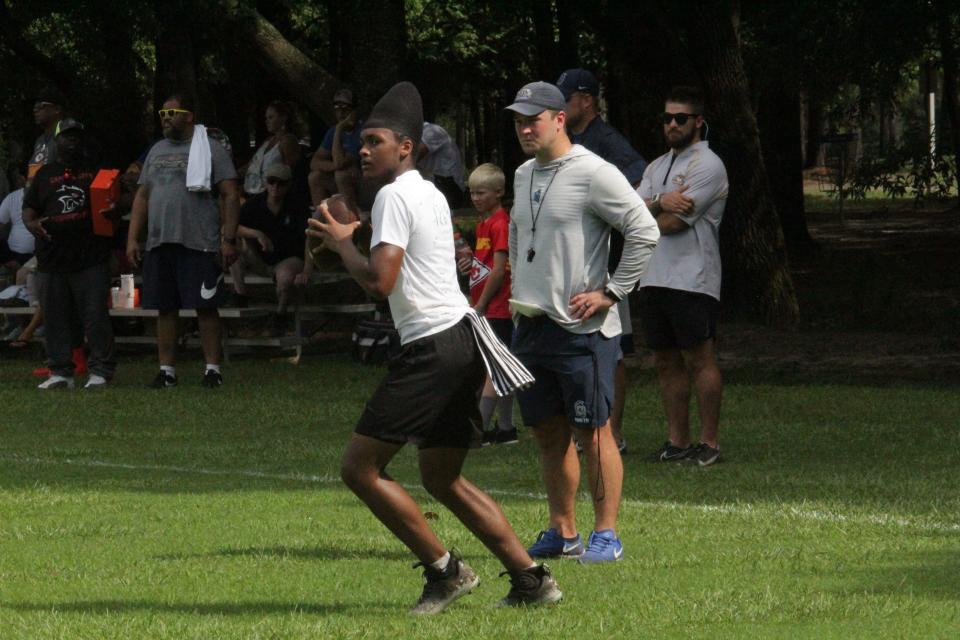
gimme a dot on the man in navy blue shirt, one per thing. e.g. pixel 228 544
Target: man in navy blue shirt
pixel 585 127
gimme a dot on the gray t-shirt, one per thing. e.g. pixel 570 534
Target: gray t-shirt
pixel 689 260
pixel 575 200
pixel 175 215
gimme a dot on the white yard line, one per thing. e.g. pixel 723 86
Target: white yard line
pixel 883 520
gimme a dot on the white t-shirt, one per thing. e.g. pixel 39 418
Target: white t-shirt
pixel 11 212
pixel 689 260
pixel 412 214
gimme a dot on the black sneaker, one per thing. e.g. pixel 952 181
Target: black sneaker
pixel 704 455
pixel 506 437
pixel 531 586
pixel 443 587
pixel 212 379
pixel 670 453
pixel 622 446
pixel 163 381
pixel 489 438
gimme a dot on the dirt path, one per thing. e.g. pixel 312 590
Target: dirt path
pixel 880 301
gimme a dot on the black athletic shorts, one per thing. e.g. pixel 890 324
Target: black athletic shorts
pixel 503 327
pixel 175 277
pixel 430 395
pixel 675 319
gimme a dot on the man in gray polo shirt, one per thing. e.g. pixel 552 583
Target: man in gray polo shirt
pixel 686 189
pixel 566 200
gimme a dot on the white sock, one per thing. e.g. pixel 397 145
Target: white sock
pixel 170 371
pixel 441 564
pixel 213 367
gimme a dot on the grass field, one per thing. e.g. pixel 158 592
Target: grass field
pixel 131 513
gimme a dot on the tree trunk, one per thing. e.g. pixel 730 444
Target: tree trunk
pixel 779 123
pixel 757 284
pixel 542 14
pixel 378 32
pixel 813 155
pixel 176 61
pixel 951 99
pixel 303 78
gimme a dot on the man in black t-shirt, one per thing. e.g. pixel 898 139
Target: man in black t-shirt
pixel 72 268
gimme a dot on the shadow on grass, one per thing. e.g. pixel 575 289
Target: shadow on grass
pixel 934 574
pixel 309 553
pixel 198 608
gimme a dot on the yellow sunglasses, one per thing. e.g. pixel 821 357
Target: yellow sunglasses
pixel 169 113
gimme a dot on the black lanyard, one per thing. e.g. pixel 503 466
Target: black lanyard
pixel 534 217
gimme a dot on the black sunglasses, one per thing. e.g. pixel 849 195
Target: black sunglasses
pixel 681 118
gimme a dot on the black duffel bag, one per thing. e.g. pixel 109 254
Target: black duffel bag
pixel 375 341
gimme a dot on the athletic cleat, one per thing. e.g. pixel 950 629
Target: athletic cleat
pixel 602 546
pixel 530 587
pixel 550 544
pixel 56 382
pixel 163 381
pixel 443 587
pixel 704 455
pixel 212 379
pixel 489 438
pixel 670 453
pixel 506 437
pixel 622 446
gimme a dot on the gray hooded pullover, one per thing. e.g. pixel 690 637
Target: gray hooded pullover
pixel 572 202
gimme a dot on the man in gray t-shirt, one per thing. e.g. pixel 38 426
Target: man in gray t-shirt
pixel 185 253
pixel 686 189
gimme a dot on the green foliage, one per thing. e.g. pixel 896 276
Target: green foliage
pixel 901 175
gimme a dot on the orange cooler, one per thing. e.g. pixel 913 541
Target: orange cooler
pixel 104 192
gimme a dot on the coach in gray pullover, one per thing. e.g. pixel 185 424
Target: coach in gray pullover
pixel 566 199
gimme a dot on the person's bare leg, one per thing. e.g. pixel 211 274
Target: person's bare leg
pixel 319 182
pixel 167 337
pixel 440 470
pixel 285 271
pixel 605 473
pixel 26 335
pixel 239 269
pixel 708 384
pixel 675 392
pixel 363 471
pixel 208 322
pixel 561 473
pixel 619 399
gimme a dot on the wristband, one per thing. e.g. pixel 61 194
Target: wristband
pixel 610 294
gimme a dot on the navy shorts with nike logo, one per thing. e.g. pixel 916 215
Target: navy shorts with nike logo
pixel 175 277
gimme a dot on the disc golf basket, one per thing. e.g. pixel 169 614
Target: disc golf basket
pixel 834 179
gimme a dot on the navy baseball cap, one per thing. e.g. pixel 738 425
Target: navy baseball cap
pixel 573 80
pixel 536 97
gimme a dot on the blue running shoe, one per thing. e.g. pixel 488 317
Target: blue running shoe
pixel 602 546
pixel 550 544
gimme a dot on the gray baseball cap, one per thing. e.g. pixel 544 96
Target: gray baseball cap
pixel 68 124
pixel 536 97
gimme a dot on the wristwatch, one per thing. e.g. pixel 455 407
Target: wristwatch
pixel 232 241
pixel 610 294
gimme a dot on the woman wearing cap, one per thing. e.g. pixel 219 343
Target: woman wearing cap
pixel 281 147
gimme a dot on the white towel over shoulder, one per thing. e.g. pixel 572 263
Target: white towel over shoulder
pixel 199 164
